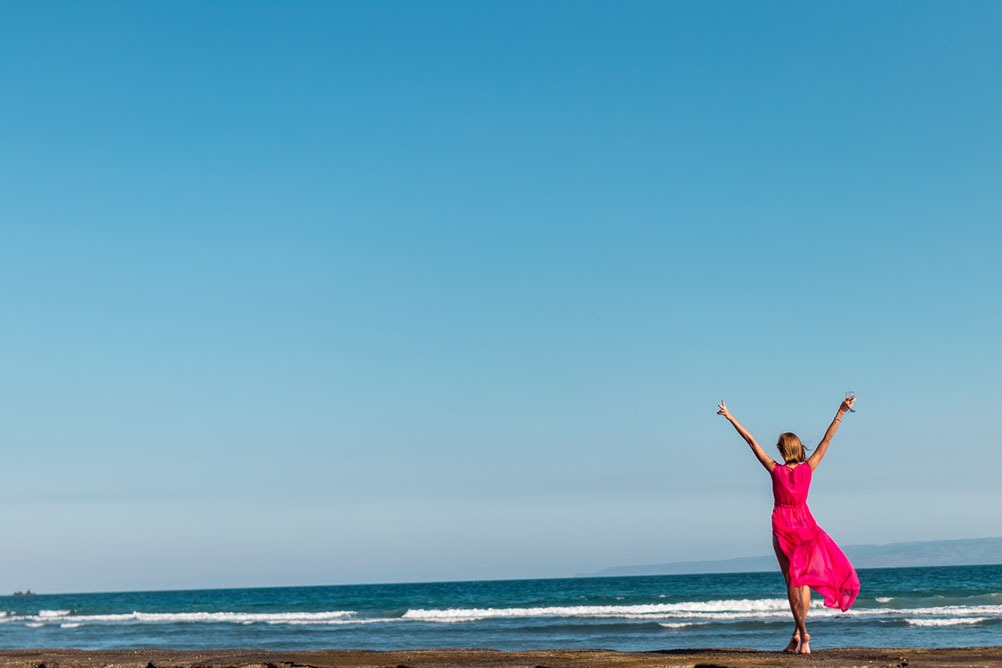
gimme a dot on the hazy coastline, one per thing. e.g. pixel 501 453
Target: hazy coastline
pixel 959 552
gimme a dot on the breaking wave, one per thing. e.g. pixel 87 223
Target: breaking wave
pixel 955 621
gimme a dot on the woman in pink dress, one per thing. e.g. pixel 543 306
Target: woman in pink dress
pixel 809 558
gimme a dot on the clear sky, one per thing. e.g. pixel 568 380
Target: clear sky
pixel 319 292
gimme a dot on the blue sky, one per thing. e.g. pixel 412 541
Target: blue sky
pixel 312 293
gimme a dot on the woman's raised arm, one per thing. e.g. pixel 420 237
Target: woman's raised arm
pixel 819 452
pixel 768 462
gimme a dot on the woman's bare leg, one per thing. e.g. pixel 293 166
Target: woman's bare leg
pixel 792 595
pixel 805 605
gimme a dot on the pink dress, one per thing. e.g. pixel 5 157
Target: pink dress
pixel 815 559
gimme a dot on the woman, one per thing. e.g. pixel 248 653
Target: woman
pixel 808 557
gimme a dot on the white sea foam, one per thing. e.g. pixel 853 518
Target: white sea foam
pixel 724 609
pixel 680 625
pixel 69 625
pixel 954 621
pixel 194 617
pixel 35 625
pixel 49 614
pixel 884 599
pixel 671 615
pixel 342 622
pixel 948 611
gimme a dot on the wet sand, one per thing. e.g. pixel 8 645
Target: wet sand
pixel 968 657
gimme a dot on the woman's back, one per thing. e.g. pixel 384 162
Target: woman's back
pixel 791 484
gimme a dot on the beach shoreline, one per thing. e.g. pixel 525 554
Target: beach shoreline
pixel 964 657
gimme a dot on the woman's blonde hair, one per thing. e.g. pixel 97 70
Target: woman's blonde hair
pixel 790 447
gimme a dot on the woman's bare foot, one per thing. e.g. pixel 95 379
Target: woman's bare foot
pixel 805 645
pixel 794 643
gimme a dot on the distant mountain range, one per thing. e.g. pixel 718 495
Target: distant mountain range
pixel 968 551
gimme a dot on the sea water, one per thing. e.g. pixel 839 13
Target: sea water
pixel 897 607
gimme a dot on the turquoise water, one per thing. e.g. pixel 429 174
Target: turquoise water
pixel 901 607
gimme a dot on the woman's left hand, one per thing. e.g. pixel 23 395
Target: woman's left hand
pixel 847 404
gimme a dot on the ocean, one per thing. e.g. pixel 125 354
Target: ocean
pixel 952 606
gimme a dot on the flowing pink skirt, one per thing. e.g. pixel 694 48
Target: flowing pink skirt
pixel 815 560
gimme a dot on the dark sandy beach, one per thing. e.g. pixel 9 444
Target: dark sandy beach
pixel 968 657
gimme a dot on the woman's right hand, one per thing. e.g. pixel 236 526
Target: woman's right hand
pixel 722 410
